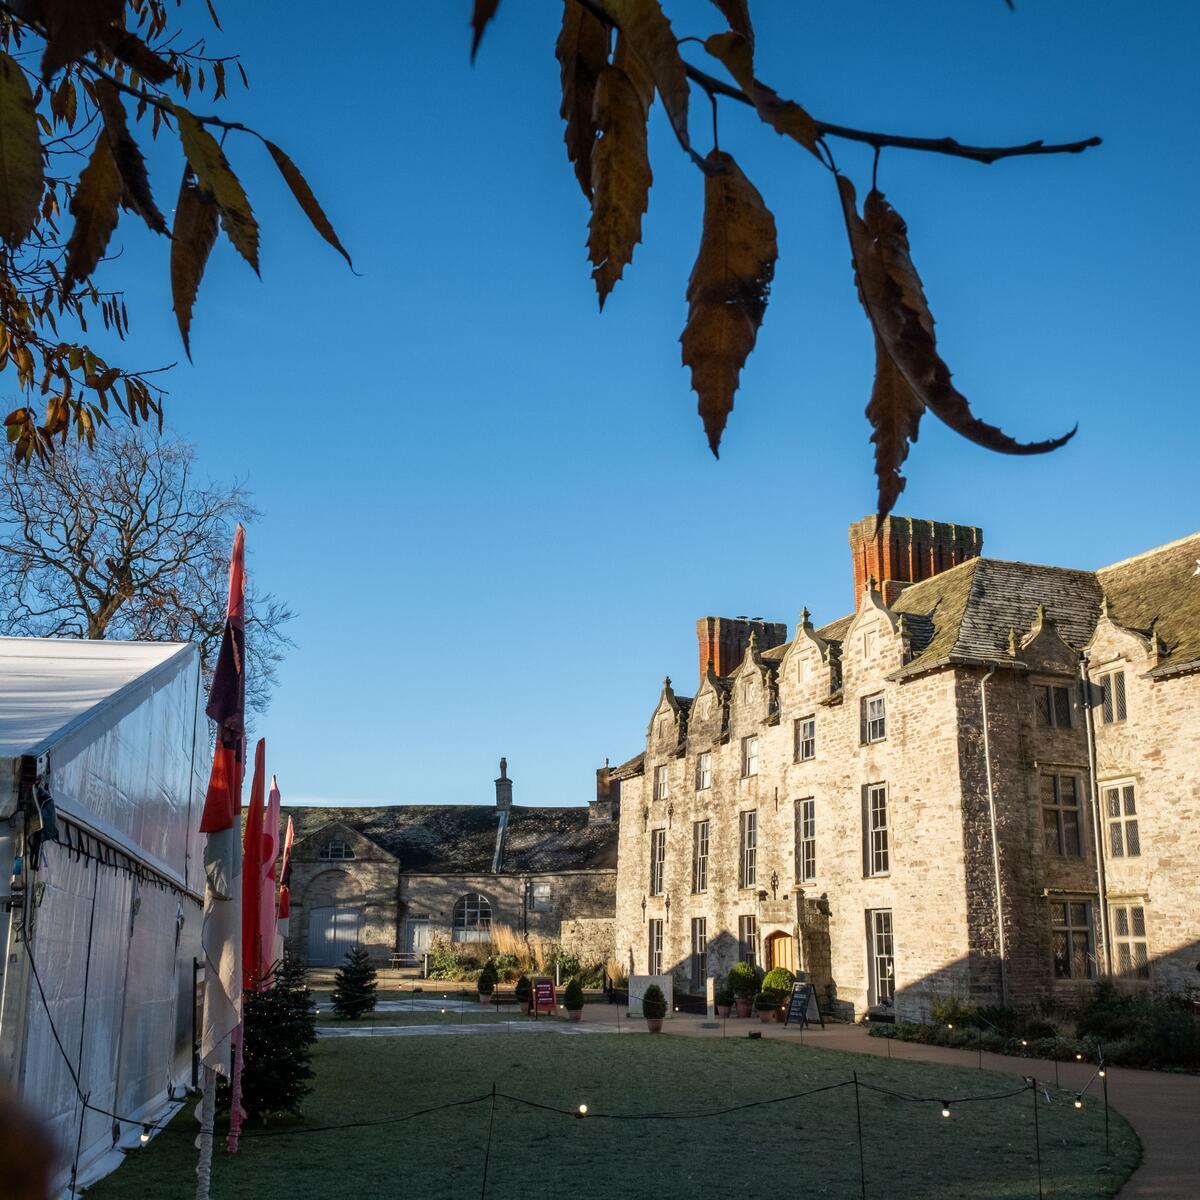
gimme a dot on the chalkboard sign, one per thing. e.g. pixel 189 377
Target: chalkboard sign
pixel 543 996
pixel 803 1006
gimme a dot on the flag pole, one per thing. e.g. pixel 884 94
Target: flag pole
pixel 204 1142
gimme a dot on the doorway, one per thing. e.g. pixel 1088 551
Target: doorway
pixel 781 951
pixel 332 934
pixel 416 936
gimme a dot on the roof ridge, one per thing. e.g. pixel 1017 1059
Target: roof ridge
pixel 1121 562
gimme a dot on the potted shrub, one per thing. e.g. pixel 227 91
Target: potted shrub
pixel 765 1005
pixel 778 983
pixel 654 1008
pixel 487 982
pixel 523 992
pixel 743 983
pixel 573 999
pixel 724 1001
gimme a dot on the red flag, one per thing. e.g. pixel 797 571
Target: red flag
pixel 254 968
pixel 227 703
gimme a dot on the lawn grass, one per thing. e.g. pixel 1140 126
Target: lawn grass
pixel 985 1151
pixel 474 1015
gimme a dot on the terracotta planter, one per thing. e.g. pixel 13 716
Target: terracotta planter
pixel 654 1024
pixel 766 1015
pixel 743 1006
pixel 722 1011
pixel 485 997
pixel 576 1014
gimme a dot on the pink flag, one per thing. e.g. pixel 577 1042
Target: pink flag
pixel 270 850
pixel 253 952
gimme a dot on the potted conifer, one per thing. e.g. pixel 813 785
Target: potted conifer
pixel 523 992
pixel 654 1008
pixel 743 983
pixel 573 999
pixel 487 982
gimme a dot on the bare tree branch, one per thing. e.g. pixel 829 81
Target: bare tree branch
pixel 122 542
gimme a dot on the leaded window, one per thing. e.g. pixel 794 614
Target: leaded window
pixel 1061 816
pixel 1112 697
pixel 1120 810
pixel 1071 939
pixel 1053 706
pixel 1128 925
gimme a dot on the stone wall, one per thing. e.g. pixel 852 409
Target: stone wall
pixel 590 939
pixel 826 918
pixel 1157 750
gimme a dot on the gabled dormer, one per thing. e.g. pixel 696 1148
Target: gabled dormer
pixel 708 719
pixel 876 643
pixel 753 698
pixel 336 844
pixel 1043 648
pixel 808 671
pixel 1113 643
pixel 667 734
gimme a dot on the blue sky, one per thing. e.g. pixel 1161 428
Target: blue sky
pixel 494 508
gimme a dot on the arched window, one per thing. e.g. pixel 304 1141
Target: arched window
pixel 336 851
pixel 472 918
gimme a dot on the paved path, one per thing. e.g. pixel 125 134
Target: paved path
pixel 472 1030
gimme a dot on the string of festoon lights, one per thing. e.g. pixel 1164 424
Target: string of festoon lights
pixel 582 1110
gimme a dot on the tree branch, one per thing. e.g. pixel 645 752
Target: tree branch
pixel 944 145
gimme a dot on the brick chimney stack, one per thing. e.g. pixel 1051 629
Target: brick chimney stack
pixel 901 550
pixel 723 640
pixel 504 787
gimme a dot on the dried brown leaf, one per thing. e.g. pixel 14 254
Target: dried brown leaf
pixel 128 157
pixel 215 174
pixel 650 37
pixel 895 413
pixel 621 179
pixel 894 299
pixel 134 53
pixel 728 289
pixel 481 14
pixel 94 207
pixel 582 52
pixel 21 176
pixel 75 28
pixel 305 198
pixel 786 117
pixel 639 74
pixel 192 241
pixel 737 13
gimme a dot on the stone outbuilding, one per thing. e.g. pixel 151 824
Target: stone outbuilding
pixel 394 878
pixel 984 781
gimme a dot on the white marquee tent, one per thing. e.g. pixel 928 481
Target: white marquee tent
pixel 99 936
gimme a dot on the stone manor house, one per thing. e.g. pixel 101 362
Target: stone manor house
pixel 394 877
pixel 984 781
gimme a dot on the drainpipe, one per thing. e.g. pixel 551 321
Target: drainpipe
pixel 1085 687
pixel 987 761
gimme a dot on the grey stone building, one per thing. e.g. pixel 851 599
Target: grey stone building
pixel 984 781
pixel 393 878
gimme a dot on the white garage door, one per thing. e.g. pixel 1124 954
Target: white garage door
pixel 331 933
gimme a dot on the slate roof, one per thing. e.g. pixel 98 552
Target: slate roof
pixel 1161 588
pixel 964 614
pixel 461 838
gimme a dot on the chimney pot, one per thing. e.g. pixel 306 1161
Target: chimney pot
pixel 898 551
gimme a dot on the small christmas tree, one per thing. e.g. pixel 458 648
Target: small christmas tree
pixel 354 986
pixel 280 1029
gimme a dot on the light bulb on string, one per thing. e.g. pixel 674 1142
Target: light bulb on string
pixel 581 1111
pixel 945 1108
pixel 1102 1072
pixel 1078 1101
pixel 144 1136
